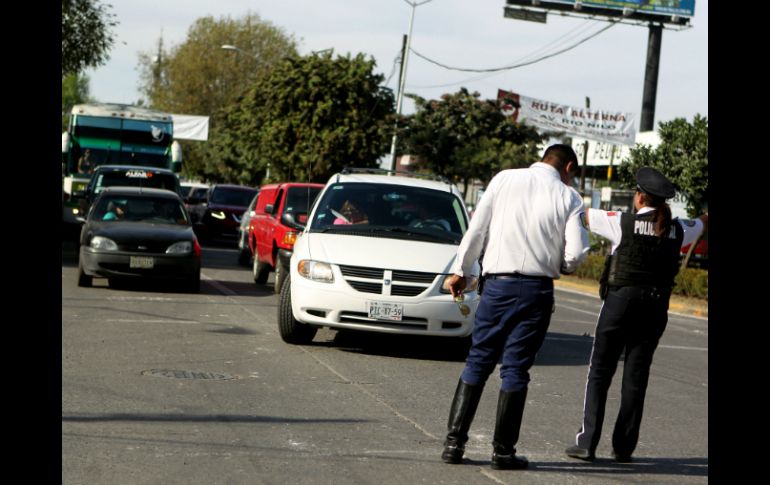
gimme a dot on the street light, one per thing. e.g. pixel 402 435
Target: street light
pixel 402 77
pixel 229 47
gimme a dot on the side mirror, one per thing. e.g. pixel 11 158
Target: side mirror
pixel 288 219
pixel 269 209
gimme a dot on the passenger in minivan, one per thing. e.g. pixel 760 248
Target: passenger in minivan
pixel 350 213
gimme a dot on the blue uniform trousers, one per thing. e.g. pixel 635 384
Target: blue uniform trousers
pixel 511 320
pixel 632 319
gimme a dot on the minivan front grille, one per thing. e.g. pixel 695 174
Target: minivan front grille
pixel 372 280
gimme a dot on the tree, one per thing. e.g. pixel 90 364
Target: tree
pixel 463 137
pixel 310 117
pixel 86 35
pixel 198 77
pixel 682 157
pixel 74 90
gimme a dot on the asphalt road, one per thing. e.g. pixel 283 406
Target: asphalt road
pixel 162 387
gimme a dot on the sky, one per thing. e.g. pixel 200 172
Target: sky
pixel 608 68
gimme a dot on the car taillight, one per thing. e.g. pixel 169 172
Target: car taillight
pixel 290 238
pixel 196 246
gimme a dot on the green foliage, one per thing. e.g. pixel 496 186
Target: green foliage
pixel 692 282
pixel 682 156
pixel 198 77
pixel 463 137
pixel 74 90
pixel 86 35
pixel 310 117
pixel 591 267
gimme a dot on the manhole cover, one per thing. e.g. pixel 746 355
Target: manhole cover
pixel 187 374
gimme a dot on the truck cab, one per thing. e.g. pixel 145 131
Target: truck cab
pixel 280 214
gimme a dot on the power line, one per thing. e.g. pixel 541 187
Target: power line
pixel 514 66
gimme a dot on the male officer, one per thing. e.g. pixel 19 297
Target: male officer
pixel 528 226
pixel 635 286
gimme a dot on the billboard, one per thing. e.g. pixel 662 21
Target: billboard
pixel 664 11
pixel 600 125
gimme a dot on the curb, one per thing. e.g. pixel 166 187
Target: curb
pixel 677 305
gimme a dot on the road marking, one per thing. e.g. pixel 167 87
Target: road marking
pixel 681 347
pixel 370 394
pixel 219 286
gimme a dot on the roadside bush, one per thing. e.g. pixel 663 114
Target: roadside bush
pixel 690 282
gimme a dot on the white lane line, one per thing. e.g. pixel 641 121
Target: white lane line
pixel 371 394
pixel 219 286
pixel 682 347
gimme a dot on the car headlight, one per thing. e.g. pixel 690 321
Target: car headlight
pixel 218 215
pixel 471 282
pixel 181 247
pixel 99 242
pixel 316 271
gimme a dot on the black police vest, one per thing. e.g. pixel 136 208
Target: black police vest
pixel 642 258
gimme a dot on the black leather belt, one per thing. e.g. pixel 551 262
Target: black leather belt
pixel 514 276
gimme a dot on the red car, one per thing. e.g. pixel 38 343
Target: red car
pixel 280 215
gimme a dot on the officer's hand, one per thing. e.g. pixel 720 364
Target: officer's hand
pixel 456 284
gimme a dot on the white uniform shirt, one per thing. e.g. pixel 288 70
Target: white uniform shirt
pixel 607 224
pixel 527 222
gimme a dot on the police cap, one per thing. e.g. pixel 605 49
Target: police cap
pixel 652 182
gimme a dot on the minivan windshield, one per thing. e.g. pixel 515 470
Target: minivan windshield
pixel 389 210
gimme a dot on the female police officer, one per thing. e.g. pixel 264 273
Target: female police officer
pixel 635 286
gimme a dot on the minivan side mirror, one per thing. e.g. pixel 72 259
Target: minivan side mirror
pixel 287 219
pixel 269 209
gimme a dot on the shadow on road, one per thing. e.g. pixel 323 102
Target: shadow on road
pixel 400 346
pixel 695 466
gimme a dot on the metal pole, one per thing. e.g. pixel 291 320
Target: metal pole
pixel 585 159
pixel 647 123
pixel 402 76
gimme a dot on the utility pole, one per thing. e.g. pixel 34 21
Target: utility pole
pixel 647 122
pixel 402 81
pixel 585 158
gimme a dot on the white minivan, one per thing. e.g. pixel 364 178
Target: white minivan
pixel 375 256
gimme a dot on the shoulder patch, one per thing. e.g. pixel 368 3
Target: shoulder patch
pixel 688 223
pixel 611 213
pixel 583 220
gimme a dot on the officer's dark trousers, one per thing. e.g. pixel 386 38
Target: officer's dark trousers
pixel 511 320
pixel 631 319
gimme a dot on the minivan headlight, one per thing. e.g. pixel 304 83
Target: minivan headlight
pixel 316 271
pixel 181 247
pixel 99 242
pixel 472 284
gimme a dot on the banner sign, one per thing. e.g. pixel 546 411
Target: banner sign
pixel 607 126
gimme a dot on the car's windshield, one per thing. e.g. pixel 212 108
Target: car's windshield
pixel 228 196
pixel 386 210
pixel 160 210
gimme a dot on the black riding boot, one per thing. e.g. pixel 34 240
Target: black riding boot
pixel 461 415
pixel 510 410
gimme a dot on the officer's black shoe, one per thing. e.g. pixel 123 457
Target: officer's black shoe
pixel 621 457
pixel 508 461
pixel 453 453
pixel 580 453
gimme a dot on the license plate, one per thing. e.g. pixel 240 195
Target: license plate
pixel 141 262
pixel 385 311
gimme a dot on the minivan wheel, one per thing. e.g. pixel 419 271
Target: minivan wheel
pixel 281 271
pixel 292 331
pixel 260 270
